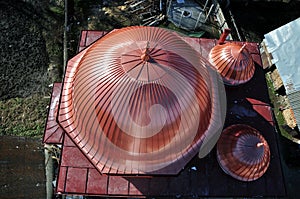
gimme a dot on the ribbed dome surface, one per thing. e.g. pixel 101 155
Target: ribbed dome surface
pixel 233 62
pixel 243 153
pixel 136 101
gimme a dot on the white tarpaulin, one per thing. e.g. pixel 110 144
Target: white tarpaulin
pixel 284 45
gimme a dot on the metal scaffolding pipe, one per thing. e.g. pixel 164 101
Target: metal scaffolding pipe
pixel 49 172
pixel 65 56
pixel 235 26
pixel 210 9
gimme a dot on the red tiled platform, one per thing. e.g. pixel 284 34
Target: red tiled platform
pixel 53 132
pixel 246 104
pixel 88 37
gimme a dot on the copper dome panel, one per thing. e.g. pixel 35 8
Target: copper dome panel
pixel 137 101
pixel 233 61
pixel 243 152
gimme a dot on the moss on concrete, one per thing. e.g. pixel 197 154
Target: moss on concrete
pixel 23 116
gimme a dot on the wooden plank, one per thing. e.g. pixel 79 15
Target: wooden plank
pixel 217 180
pixel 235 187
pixel 257 188
pixel 199 180
pixel 180 185
pixel 159 186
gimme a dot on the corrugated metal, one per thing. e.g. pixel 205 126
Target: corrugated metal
pixel 243 152
pixel 233 61
pixel 140 100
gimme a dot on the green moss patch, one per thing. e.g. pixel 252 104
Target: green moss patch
pixel 23 116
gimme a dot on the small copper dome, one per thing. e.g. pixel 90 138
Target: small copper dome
pixel 243 152
pixel 139 100
pixel 233 62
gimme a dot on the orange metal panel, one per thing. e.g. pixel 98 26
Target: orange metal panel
pixel 243 152
pixel 137 101
pixel 263 109
pixel 233 61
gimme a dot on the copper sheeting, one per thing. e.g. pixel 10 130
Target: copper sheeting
pixel 233 61
pixel 243 153
pixel 139 100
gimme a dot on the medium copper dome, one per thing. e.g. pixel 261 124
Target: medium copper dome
pixel 139 100
pixel 233 61
pixel 243 152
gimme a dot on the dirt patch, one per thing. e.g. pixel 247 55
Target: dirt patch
pixel 289 117
pixel 277 81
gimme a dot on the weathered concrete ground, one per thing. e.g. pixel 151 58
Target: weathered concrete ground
pixel 22 168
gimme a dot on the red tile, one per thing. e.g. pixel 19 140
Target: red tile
pixel 257 59
pixel 97 183
pixel 53 132
pixel 206 45
pixel 83 38
pixel 68 141
pixel 134 189
pixel 61 181
pixel 252 47
pixel 118 185
pixel 265 112
pixel 55 135
pixel 92 36
pixel 76 180
pixel 72 156
pixel 263 109
pixel 139 186
pixel 194 42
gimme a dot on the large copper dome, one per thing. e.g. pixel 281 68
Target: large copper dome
pixel 139 100
pixel 243 152
pixel 233 61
